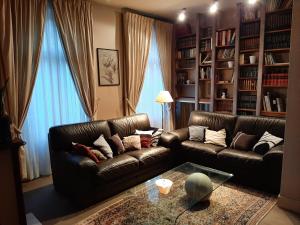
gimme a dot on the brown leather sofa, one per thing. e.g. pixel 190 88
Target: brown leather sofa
pixel 86 182
pixel 248 167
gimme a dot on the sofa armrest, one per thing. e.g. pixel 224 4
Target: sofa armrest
pixel 275 153
pixel 168 140
pixel 182 134
pixel 82 163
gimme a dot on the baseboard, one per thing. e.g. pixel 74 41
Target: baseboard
pixel 289 204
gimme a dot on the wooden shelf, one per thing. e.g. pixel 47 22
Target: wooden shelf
pixel 225 46
pixel 205 38
pixel 224 68
pixel 277 50
pixel 249 50
pixel 246 110
pixel 275 86
pixel 223 29
pixel 187 47
pixel 188 68
pixel 224 99
pixel 277 65
pixel 273 114
pixel 224 60
pixel 248 64
pixel 188 58
pixel 251 21
pixel 185 85
pixel 206 79
pixel 249 36
pixel 205 51
pixel 224 83
pixel 278 31
pixel 246 90
pixel 186 100
pixel 247 78
pixel 205 65
pixel 204 101
pixel 186 36
pixel 278 11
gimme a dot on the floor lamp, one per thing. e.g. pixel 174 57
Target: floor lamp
pixel 162 98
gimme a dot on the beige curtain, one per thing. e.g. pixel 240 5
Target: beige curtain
pixel 164 37
pixel 22 27
pixel 137 37
pixel 75 21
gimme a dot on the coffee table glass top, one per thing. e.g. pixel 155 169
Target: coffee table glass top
pixel 158 208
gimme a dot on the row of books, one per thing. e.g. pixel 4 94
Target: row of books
pixel 186 53
pixel 186 63
pixel 224 106
pixel 252 43
pixel 279 40
pixel 269 59
pixel 225 37
pixel 250 29
pixel 205 73
pixel 206 32
pixel 247 101
pixel 248 14
pixel 186 42
pixel 227 53
pixel 272 103
pixel 248 72
pixel 182 77
pixel 272 5
pixel 276 79
pixel 248 84
pixel 205 45
pixel 278 21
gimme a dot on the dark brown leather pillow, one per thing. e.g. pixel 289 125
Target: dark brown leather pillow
pixel 243 141
pixel 116 144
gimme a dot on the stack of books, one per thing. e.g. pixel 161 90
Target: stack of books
pixel 186 63
pixel 224 106
pixel 252 43
pixel 248 84
pixel 225 54
pixel 205 45
pixel 275 79
pixel 247 101
pixel 206 32
pixel 278 40
pixel 279 21
pixel 248 72
pixel 186 42
pixel 186 53
pixel 250 29
pixel 225 37
pixel 271 103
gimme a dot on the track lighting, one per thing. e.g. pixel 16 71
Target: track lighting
pixel 214 7
pixel 182 15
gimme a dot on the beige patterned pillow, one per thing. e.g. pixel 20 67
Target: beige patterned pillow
pixel 132 142
pixel 215 137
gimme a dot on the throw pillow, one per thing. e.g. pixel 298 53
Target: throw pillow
pixel 146 140
pixel 156 136
pixel 243 141
pixel 116 144
pixel 132 142
pixel 84 151
pixel 98 154
pixel 215 137
pixel 146 132
pixel 266 142
pixel 103 146
pixel 197 133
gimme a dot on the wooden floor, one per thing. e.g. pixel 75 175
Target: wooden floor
pixel 276 216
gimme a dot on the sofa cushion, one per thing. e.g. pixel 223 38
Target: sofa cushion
pixel 103 146
pixel 127 126
pixel 214 121
pixel 234 158
pixel 243 141
pixel 197 133
pixel 116 167
pixel 266 142
pixel 215 137
pixel 201 147
pixel 151 156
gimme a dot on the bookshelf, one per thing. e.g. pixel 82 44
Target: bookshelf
pixel 234 66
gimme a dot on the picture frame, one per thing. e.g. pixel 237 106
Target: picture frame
pixel 108 67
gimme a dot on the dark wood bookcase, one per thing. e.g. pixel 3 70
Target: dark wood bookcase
pixel 237 67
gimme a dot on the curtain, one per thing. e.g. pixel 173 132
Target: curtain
pixel 137 36
pixel 164 34
pixel 22 28
pixel 54 101
pixel 153 84
pixel 75 22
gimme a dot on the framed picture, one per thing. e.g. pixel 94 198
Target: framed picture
pixel 108 67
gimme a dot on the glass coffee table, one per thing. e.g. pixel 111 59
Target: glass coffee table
pixel 153 207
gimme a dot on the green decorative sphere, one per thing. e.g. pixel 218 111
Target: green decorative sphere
pixel 198 186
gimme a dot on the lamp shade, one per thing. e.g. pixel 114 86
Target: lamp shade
pixel 164 97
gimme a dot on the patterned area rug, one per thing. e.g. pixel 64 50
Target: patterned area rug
pixel 229 204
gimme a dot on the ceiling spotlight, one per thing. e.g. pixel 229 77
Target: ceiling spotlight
pixel 252 2
pixel 182 15
pixel 214 7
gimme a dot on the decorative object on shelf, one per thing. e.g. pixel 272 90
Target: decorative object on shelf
pixel 108 67
pixel 164 185
pixel 252 59
pixel 223 96
pixel 188 81
pixel 230 64
pixel 164 97
pixel 198 186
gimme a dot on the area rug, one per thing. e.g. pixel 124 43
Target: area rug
pixel 229 204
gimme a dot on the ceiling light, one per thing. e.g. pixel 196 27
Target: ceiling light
pixel 214 7
pixel 252 2
pixel 182 15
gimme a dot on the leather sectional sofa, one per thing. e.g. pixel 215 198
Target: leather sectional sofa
pixel 86 182
pixel 248 167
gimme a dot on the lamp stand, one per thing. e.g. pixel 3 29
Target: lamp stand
pixel 162 115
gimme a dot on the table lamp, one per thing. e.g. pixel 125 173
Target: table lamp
pixel 162 98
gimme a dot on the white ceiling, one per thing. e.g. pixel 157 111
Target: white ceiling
pixel 168 8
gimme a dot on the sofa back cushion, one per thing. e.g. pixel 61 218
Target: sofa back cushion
pixel 126 126
pixel 61 137
pixel 214 121
pixel 258 125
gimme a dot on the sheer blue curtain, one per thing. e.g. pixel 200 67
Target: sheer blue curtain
pixel 54 101
pixel 153 84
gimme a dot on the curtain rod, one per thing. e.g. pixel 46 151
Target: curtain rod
pixel 147 15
